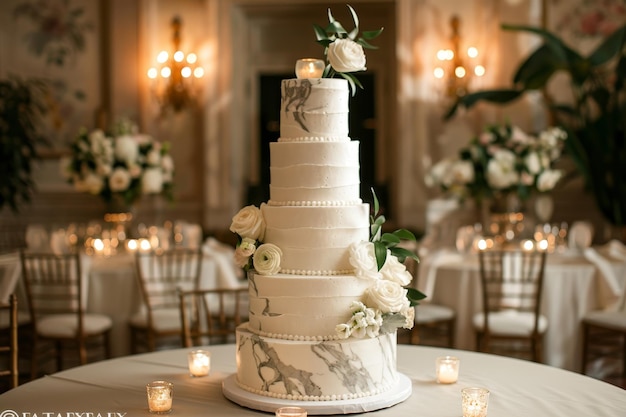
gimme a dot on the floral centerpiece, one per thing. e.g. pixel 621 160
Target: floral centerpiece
pixel 120 166
pixel 387 304
pixel 501 161
pixel 343 49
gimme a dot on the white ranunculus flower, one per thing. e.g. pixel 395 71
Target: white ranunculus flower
pixel 533 163
pixel 267 259
pixel 395 271
pixel 152 181
pixel 387 296
pixel 249 222
pixel 119 180
pixel 126 149
pixel 547 179
pixel 363 259
pixel 345 55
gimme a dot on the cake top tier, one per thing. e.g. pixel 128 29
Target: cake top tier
pixel 314 109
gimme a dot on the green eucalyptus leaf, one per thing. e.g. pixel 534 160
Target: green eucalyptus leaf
pixel 391 322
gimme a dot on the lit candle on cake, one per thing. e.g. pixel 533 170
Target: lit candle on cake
pixel 309 68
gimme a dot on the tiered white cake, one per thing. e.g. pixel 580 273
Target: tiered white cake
pixel 290 348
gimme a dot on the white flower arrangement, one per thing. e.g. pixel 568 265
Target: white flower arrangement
pixel 249 226
pixel 121 165
pixel 387 303
pixel 344 50
pixel 500 161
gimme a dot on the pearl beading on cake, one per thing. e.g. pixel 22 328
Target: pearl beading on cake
pixel 299 397
pixel 316 139
pixel 297 338
pixel 315 203
pixel 322 273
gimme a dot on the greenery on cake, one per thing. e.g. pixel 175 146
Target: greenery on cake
pixel 388 303
pixel 344 50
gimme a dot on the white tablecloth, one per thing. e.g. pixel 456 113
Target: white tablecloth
pixel 573 286
pixel 518 388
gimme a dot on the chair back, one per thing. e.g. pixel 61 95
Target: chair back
pixel 512 280
pixel 9 344
pixel 54 284
pixel 162 273
pixel 210 316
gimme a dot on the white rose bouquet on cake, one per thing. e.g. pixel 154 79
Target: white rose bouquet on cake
pixel 343 49
pixel 120 165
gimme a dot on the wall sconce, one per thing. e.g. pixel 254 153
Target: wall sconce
pixel 457 67
pixel 173 76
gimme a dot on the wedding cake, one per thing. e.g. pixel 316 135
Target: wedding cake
pixel 320 324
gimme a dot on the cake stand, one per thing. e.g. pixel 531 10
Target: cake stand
pixel 395 395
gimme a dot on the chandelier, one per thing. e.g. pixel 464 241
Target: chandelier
pixel 173 76
pixel 457 65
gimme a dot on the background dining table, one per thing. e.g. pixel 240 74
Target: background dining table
pixel 575 283
pixel 117 387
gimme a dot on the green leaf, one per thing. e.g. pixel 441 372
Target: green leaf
pixel 609 48
pixel 537 69
pixel 402 254
pixel 391 321
pixel 405 234
pixel 371 34
pixel 320 33
pixel 499 96
pixel 351 81
pixel 414 296
pixel 380 252
pixel 564 53
pixel 365 44
pixel 354 32
pixel 389 238
pixel 376 204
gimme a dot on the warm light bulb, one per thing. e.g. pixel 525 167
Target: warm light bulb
pixel 152 73
pixel 441 55
pixel 179 56
pixel 98 244
pixel 528 245
pixel 472 52
pixel 198 72
pixel 192 58
pixel 166 72
pixel 162 57
pixel 449 54
pixel 479 70
pixel 185 72
pixel 543 244
pixel 439 72
pixel 459 72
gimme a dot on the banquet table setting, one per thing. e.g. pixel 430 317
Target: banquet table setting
pixel 109 279
pixel 577 281
pixel 117 387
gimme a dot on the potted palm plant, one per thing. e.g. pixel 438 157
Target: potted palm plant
pixel 21 105
pixel 595 119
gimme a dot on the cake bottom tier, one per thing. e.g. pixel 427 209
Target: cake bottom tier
pixel 315 371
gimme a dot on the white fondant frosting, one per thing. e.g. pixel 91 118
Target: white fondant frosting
pixel 313 370
pixel 281 304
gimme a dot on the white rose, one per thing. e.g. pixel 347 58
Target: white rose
pixel 345 55
pixel 394 271
pixel 126 149
pixel 363 259
pixel 119 180
pixel 152 181
pixel 248 222
pixel 533 163
pixel 387 296
pixel 501 170
pixel 547 179
pixel 91 183
pixel 267 259
pixel 462 172
pixel 153 157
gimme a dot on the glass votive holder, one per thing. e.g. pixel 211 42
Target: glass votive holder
pixel 160 396
pixel 309 68
pixel 199 362
pixel 474 402
pixel 447 369
pixel 291 412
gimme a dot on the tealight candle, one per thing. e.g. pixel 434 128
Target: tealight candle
pixel 447 369
pixel 309 68
pixel 199 362
pixel 160 395
pixel 291 412
pixel 474 402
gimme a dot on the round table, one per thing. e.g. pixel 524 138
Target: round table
pixel 116 388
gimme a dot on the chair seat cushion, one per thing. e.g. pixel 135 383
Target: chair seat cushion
pixel 22 318
pixel 430 313
pixel 162 320
pixel 511 323
pixel 607 319
pixel 66 325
